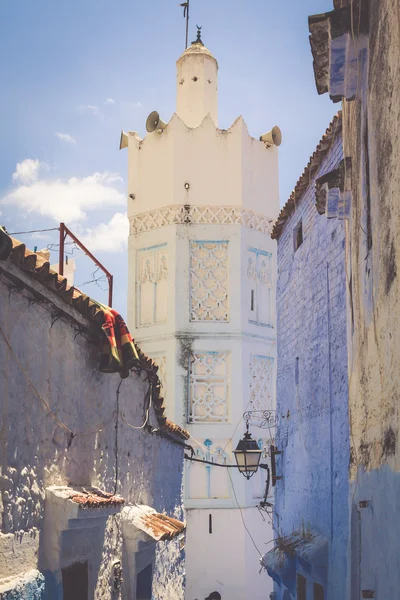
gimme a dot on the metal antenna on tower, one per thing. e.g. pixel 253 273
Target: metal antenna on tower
pixel 186 14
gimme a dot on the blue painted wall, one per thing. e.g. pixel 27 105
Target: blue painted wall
pixel 312 395
pixel 371 103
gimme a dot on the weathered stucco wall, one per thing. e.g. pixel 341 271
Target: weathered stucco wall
pixel 28 587
pixel 36 452
pixel 312 410
pixel 372 133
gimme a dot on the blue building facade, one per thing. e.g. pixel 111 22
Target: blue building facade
pixel 311 514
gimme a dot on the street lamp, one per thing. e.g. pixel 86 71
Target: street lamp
pixel 247 455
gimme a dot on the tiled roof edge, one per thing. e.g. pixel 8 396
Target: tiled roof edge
pixel 39 269
pixel 310 170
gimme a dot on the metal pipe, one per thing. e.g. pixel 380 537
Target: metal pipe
pixel 64 231
pixel 110 289
pixel 86 251
pixel 61 250
pixel 208 462
pixel 187 23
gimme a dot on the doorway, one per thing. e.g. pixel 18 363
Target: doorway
pixel 75 580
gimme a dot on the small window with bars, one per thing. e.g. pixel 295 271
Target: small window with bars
pixel 298 235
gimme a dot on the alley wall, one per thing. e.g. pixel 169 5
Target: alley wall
pixel 60 360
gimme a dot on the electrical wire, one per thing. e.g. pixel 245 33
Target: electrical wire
pixel 211 452
pixel 116 438
pixel 149 396
pixel 34 231
pixel 247 405
pixel 102 278
pixel 242 516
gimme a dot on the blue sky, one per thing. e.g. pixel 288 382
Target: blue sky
pixel 76 72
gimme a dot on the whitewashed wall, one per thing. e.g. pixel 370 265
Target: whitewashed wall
pixel 35 452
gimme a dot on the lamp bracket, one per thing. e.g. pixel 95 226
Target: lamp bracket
pixel 267 418
pixel 275 452
pixel 215 464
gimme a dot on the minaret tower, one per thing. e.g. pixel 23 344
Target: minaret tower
pixel 201 304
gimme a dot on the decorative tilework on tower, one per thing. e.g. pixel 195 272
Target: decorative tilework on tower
pixel 209 281
pixel 261 373
pixel 208 398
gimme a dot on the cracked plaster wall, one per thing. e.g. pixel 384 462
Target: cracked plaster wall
pixel 35 452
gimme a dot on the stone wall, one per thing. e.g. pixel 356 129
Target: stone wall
pixel 312 382
pixel 61 362
pixel 372 133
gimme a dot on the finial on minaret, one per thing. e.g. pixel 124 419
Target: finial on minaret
pixel 185 6
pixel 198 39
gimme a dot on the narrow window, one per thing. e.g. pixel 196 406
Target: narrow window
pixel 298 235
pixel 252 300
pixel 318 592
pixel 144 583
pixel 75 582
pixel 301 587
pixel 210 523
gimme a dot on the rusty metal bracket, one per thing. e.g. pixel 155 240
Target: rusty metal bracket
pixel 274 452
pixel 64 232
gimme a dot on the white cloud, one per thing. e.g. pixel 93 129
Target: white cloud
pixel 109 237
pixel 109 101
pixel 65 137
pixel 27 171
pixel 63 200
pixel 94 110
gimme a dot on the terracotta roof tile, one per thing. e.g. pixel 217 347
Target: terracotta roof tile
pixel 325 144
pixel 95 499
pixel 39 268
pixel 156 525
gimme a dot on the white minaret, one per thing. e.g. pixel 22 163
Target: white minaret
pixel 201 304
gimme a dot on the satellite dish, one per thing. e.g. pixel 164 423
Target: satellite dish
pixel 123 142
pixel 154 122
pixel 272 137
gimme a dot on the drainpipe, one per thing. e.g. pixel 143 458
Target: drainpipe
pixel 330 392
